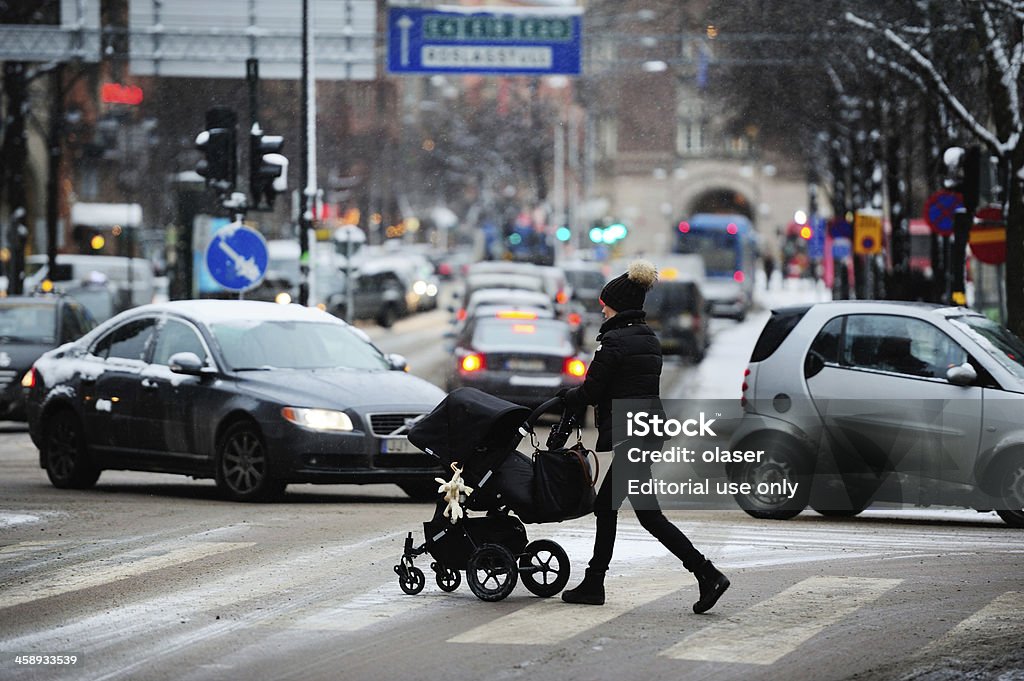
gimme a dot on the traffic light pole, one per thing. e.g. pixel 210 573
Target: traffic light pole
pixel 963 220
pixel 308 155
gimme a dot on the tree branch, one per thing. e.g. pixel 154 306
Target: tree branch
pixel 931 74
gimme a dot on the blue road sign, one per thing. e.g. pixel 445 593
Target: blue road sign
pixel 816 246
pixel 237 257
pixel 841 248
pixel 510 40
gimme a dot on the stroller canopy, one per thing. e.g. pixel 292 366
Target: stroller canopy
pixel 471 427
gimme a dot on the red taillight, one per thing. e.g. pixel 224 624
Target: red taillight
pixel 743 396
pixel 738 276
pixel 472 362
pixel 562 298
pixel 461 314
pixel 574 319
pixel 29 379
pixel 575 367
pixel 444 269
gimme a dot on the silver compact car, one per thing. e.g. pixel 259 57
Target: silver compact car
pixel 255 395
pixel 865 401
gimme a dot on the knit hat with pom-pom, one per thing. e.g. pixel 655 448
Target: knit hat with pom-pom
pixel 627 291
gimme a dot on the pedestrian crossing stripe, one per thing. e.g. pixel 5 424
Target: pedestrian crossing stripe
pixel 771 629
pixel 100 572
pixel 551 621
pixel 1001 614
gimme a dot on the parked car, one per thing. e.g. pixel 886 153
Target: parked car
pixel 29 326
pixel 518 356
pixel 255 395
pixel 870 402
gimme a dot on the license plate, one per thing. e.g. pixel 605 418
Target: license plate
pixel 525 365
pixel 397 445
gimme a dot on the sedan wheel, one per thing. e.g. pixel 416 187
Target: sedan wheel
pixel 1013 496
pixel 242 471
pixel 67 457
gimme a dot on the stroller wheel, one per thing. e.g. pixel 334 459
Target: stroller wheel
pixel 411 579
pixel 447 579
pixel 491 572
pixel 544 567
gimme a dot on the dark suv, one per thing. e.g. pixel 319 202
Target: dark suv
pixel 29 326
pixel 679 314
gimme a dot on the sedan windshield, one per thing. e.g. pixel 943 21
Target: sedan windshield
pixel 249 345
pixel 999 343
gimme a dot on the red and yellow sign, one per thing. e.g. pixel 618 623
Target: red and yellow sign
pixel 867 233
pixel 988 236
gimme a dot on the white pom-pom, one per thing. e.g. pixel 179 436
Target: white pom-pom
pixel 643 273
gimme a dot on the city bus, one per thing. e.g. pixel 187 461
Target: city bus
pixel 728 245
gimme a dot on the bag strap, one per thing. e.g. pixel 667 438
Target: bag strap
pixel 582 457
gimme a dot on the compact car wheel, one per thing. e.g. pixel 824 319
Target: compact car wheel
pixel 1013 495
pixel 769 498
pixel 491 572
pixel 544 568
pixel 67 457
pixel 242 471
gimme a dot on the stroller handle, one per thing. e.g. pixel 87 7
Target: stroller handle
pixel 544 408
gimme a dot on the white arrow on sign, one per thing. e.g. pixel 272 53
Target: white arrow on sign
pixel 245 267
pixel 405 23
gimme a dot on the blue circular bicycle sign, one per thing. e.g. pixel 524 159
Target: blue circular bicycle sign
pixel 237 257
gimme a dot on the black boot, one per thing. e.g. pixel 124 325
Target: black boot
pixel 589 592
pixel 712 585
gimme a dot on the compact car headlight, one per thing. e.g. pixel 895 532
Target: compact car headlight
pixel 318 419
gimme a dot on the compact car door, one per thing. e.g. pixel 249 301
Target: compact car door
pixel 884 399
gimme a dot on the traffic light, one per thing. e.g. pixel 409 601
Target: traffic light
pixel 219 164
pixel 268 169
pixel 610 234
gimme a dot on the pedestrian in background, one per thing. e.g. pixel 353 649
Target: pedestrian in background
pixel 627 365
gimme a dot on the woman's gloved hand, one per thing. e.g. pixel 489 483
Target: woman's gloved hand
pixel 561 431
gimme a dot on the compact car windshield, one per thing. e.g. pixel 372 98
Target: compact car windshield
pixel 999 343
pixel 28 323
pixel 250 345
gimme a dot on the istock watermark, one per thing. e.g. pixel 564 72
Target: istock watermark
pixel 776 459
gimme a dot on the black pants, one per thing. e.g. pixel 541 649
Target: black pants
pixel 606 508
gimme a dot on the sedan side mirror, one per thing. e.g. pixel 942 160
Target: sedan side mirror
pixel 397 362
pixel 963 374
pixel 187 363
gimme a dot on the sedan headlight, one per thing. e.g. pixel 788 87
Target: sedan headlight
pixel 318 419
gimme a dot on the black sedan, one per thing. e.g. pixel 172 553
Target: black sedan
pixel 255 395
pixel 517 355
pixel 29 326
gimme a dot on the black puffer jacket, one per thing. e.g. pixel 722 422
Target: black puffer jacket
pixel 627 365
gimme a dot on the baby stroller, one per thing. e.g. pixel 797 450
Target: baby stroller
pixel 479 433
